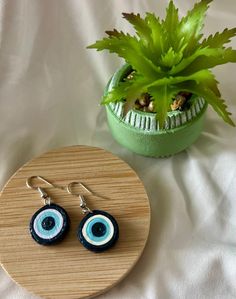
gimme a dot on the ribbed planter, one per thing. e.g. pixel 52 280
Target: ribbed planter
pixel 139 131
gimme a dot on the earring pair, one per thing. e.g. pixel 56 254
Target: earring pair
pixel 97 231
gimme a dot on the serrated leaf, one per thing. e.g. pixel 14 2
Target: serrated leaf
pixel 221 56
pixel 128 47
pixel 117 94
pixel 144 32
pixel 172 18
pixel 170 24
pixel 162 96
pixel 211 83
pixel 128 90
pixel 216 102
pixel 156 33
pixel 205 77
pixel 191 25
pixel 198 77
pixel 207 52
pixel 171 58
pixel 219 39
pixel 140 25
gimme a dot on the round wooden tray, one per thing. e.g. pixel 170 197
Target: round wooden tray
pixel 68 270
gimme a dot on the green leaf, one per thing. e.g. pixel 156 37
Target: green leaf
pixel 171 58
pixel 170 24
pixel 117 94
pixel 200 76
pixel 162 96
pixel 215 101
pixel 207 52
pixel 191 25
pixel 217 104
pixel 128 47
pixel 156 33
pixel 128 90
pixel 210 82
pixel 219 39
pixel 144 33
pixel 140 25
pixel 221 56
pixel 172 18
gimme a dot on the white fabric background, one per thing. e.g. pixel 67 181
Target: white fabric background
pixel 50 87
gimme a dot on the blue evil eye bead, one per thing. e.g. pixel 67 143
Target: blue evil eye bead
pixel 98 231
pixel 49 224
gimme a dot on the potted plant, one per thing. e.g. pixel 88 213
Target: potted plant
pixel 156 102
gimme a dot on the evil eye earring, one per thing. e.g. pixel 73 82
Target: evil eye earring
pixel 98 230
pixel 50 223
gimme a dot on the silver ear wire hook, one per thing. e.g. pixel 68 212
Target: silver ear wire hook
pixel 43 193
pixel 83 204
pixel 70 187
pixel 40 178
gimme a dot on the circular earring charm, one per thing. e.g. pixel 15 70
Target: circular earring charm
pixel 50 223
pixel 98 231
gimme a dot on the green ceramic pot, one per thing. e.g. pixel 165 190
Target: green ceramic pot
pixel 139 131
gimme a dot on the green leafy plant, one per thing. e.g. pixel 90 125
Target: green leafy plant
pixel 170 56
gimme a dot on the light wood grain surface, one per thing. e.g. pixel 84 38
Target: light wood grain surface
pixel 68 270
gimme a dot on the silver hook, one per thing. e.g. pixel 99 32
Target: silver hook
pixel 70 187
pixel 43 193
pixel 39 177
pixel 83 204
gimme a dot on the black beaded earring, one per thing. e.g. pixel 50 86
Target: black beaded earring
pixel 50 223
pixel 98 230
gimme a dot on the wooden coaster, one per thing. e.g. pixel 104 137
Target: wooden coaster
pixel 68 270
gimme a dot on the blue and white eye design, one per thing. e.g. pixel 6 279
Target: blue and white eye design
pixel 49 224
pixel 98 231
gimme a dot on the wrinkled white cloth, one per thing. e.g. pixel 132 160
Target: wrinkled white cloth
pixel 50 88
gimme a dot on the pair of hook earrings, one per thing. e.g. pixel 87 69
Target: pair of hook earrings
pixel 97 231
